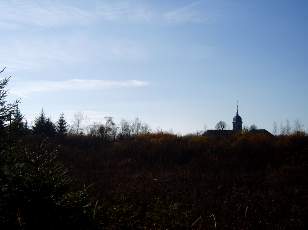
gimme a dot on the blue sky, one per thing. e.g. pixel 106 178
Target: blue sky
pixel 177 65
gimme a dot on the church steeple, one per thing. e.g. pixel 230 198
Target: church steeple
pixel 237 121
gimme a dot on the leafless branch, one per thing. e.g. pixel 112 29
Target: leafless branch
pixel 2 70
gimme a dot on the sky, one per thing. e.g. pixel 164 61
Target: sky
pixel 178 65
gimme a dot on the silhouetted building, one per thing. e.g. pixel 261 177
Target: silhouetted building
pixel 218 133
pixel 237 122
pixel 237 128
pixel 260 131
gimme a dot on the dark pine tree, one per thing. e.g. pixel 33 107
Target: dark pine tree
pixel 62 126
pixel 6 109
pixel 18 126
pixel 43 126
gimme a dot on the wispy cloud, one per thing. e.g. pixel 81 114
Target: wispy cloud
pixel 22 14
pixel 45 13
pixel 17 14
pixel 190 13
pixel 21 50
pixel 28 88
pixel 42 53
pixel 124 11
pixel 29 55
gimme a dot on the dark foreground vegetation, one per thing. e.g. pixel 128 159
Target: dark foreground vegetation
pixel 53 180
pixel 163 181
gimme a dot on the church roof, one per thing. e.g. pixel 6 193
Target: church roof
pixel 260 131
pixel 218 133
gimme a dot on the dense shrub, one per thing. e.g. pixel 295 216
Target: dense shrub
pixel 36 192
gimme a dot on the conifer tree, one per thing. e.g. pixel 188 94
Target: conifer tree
pixel 62 126
pixel 17 125
pixel 44 126
pixel 6 109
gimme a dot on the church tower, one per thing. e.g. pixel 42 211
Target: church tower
pixel 237 122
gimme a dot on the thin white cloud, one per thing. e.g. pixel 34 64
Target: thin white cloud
pixel 124 11
pixel 22 14
pixel 45 13
pixel 29 55
pixel 17 14
pixel 42 53
pixel 28 88
pixel 190 13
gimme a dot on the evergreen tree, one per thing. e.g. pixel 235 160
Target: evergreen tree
pixel 17 125
pixel 62 126
pixel 6 109
pixel 44 126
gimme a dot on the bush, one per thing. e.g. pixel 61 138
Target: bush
pixel 36 192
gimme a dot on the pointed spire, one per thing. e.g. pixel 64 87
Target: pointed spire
pixel 237 108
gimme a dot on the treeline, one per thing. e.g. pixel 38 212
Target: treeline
pixel 44 127
pixel 110 131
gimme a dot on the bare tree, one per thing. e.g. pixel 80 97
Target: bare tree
pixel 288 127
pixel 110 128
pixel 136 126
pixel 245 129
pixel 124 129
pixel 145 128
pixel 107 132
pixel 253 127
pixel 285 129
pixel 282 129
pixel 93 129
pixel 275 128
pixel 221 125
pixel 78 119
pixel 298 127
